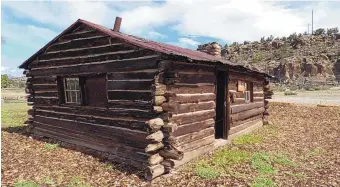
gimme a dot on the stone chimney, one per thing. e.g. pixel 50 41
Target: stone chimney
pixel 212 48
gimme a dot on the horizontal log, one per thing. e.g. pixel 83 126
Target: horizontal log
pixel 187 138
pixel 198 143
pixel 81 34
pixel 141 74
pixel 192 117
pixel 90 58
pixel 81 42
pixel 244 107
pixel 244 125
pixel 46 101
pixel 122 135
pixel 131 84
pixel 154 171
pixel 145 95
pixel 46 94
pixel 81 142
pixel 258 94
pixel 169 128
pixel 180 88
pixel 193 127
pixel 131 104
pixel 168 65
pixel 42 80
pixel 188 77
pixel 177 108
pixel 44 87
pixel 188 156
pixel 238 101
pixel 190 98
pixel 129 123
pixel 256 99
pixel 246 114
pixel 238 76
pixel 140 63
pixel 104 144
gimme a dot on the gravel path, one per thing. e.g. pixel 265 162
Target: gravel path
pixel 310 97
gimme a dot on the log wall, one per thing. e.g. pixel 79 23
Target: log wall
pixel 188 111
pixel 245 114
pixel 118 126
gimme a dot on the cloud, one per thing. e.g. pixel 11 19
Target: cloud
pixel 188 41
pixel 156 35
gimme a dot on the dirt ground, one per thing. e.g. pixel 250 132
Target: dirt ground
pixel 331 96
pixel 300 148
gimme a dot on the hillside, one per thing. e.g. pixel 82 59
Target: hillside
pixel 297 59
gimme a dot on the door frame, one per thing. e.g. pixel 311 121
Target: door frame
pixel 222 122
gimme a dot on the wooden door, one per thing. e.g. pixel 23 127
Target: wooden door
pixel 222 113
pixel 96 90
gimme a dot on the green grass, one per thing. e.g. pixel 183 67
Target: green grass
pixel 14 114
pixel 262 163
pixel 283 160
pixel 220 163
pixel 227 157
pixel 25 184
pixel 247 139
pixel 48 146
pixel 263 182
pixel 78 182
pixel 206 171
pixel 49 181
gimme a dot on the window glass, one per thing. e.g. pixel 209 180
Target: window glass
pixel 72 90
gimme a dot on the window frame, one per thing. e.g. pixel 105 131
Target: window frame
pixel 248 91
pixel 69 90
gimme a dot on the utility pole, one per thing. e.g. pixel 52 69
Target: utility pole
pixel 312 22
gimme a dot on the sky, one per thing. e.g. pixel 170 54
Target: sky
pixel 28 25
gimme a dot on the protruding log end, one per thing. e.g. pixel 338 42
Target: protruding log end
pixel 154 171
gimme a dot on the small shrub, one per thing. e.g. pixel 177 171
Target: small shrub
pixel 49 181
pixel 247 139
pixel 263 182
pixel 206 171
pixel 48 146
pixel 25 184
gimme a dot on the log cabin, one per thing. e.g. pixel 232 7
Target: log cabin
pixel 150 105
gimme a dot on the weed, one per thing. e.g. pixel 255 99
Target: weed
pixel 77 182
pixel 296 175
pixel 230 157
pixel 262 162
pixel 283 160
pixel 25 184
pixel 48 146
pixel 204 170
pixel 314 152
pixel 247 139
pixel 238 175
pixel 108 167
pixel 49 181
pixel 263 182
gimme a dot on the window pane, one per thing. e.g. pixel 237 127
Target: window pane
pixel 78 97
pixel 73 97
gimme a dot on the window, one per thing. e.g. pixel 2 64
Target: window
pixel 72 90
pixel 85 91
pixel 248 94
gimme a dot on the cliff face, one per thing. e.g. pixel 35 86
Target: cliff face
pixel 295 60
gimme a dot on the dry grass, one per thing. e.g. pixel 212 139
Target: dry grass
pixel 299 149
